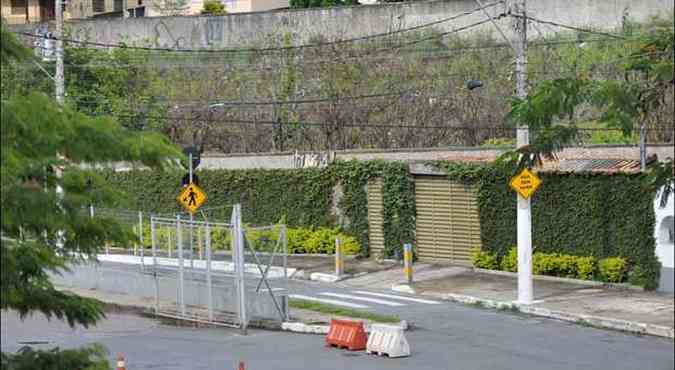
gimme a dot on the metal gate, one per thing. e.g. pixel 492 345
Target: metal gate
pixel 448 226
pixel 213 282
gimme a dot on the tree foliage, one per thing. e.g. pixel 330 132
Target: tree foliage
pixel 643 98
pixel 44 147
pixel 213 7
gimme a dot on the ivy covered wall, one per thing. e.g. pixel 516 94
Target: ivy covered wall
pixel 600 215
pixel 581 214
pixel 303 196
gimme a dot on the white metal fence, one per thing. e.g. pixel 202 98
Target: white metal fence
pixel 204 270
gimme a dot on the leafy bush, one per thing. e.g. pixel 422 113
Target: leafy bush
pixel 553 264
pixel 323 241
pixel 647 275
pixel 510 261
pixel 484 260
pixel 612 269
pixel 213 7
pixel 300 240
pixel 585 268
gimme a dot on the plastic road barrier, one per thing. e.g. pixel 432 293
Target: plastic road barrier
pixel 347 334
pixel 387 340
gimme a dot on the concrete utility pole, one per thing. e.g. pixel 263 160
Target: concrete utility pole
pixel 59 78
pixel 524 212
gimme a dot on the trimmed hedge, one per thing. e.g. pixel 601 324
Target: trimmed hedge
pixel 596 215
pixel 611 269
pixel 303 197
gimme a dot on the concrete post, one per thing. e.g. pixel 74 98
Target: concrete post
pixel 524 211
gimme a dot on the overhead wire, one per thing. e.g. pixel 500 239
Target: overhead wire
pixel 263 49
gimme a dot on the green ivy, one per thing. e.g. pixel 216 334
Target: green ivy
pixel 398 197
pixel 582 214
pixel 302 196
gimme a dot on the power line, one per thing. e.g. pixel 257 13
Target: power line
pixel 290 102
pixel 262 50
pixel 573 28
pixel 361 125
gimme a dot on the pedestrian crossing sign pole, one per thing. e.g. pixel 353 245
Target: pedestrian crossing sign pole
pixel 191 198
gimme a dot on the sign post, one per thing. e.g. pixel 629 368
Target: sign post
pixel 525 184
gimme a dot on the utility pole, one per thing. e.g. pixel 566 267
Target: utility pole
pixel 524 209
pixel 59 95
pixel 59 78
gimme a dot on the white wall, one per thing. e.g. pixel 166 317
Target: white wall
pixel 664 221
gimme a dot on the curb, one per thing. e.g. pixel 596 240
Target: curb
pixel 593 283
pixel 327 278
pixel 302 328
pixel 590 320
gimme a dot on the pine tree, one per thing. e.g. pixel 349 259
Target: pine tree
pixel 41 139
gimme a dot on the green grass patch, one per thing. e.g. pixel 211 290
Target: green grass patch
pixel 339 311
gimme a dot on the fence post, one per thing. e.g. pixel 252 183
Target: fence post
pixel 407 262
pixel 170 244
pixel 179 240
pixel 339 258
pixel 239 264
pixel 209 297
pixel 140 239
pixel 153 242
pixel 200 243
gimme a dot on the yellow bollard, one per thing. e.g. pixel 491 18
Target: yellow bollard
pixel 407 262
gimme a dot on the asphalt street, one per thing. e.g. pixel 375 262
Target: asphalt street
pixel 447 336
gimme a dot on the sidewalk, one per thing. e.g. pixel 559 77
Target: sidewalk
pixel 596 305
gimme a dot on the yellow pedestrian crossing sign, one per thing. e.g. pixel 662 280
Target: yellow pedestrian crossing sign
pixel 192 197
pixel 525 183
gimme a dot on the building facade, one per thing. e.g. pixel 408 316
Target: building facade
pixel 27 11
pixel 39 11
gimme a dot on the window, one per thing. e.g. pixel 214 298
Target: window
pixel 98 6
pixel 19 7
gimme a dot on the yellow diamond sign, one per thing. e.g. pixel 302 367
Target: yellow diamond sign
pixel 192 197
pixel 525 183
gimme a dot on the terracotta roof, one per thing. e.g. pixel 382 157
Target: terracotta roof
pixel 593 165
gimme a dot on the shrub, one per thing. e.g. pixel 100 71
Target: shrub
pixel 646 276
pixel 484 260
pixel 213 7
pixel 510 261
pixel 322 241
pixel 585 268
pixel 553 264
pixel 612 269
pixel 297 239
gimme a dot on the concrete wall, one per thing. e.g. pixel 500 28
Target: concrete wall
pixel 664 244
pixel 346 22
pixel 288 160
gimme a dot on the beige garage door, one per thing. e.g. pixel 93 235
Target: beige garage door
pixel 375 218
pixel 448 227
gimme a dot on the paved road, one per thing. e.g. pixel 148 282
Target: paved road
pixel 460 338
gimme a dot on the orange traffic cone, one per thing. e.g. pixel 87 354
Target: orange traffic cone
pixel 242 366
pixel 121 364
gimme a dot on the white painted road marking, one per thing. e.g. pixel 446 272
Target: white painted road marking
pixel 411 299
pixel 367 299
pixel 329 301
